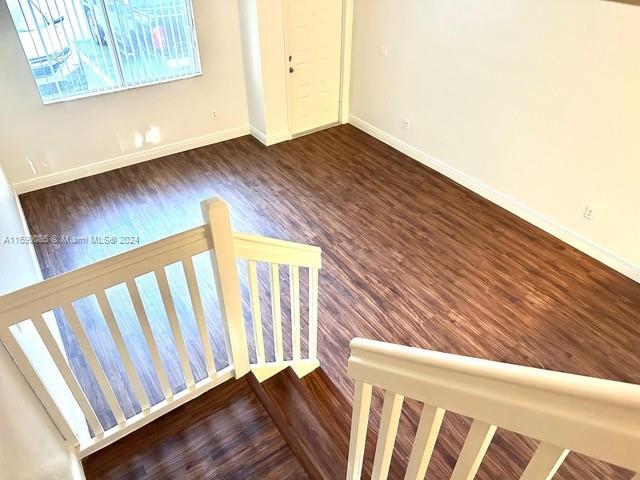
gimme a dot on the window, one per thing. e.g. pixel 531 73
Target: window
pixel 78 48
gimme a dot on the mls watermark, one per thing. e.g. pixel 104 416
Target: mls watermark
pixel 71 240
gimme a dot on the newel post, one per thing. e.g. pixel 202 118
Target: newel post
pixel 216 215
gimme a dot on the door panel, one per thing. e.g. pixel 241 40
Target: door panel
pixel 314 33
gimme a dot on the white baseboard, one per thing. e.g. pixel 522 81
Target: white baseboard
pixel 63 176
pixel 258 135
pixel 272 138
pixel 278 137
pixel 568 236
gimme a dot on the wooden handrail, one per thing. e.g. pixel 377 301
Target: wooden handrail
pixel 46 295
pixel 596 417
pixel 603 391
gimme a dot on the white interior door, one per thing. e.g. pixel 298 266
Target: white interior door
pixel 314 32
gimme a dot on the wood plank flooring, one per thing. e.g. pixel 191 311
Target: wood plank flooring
pixel 223 434
pixel 300 409
pixel 409 257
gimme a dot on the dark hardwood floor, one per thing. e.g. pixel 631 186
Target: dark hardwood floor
pixel 223 434
pixel 409 257
pixel 300 409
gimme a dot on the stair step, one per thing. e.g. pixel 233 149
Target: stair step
pixel 300 367
pixel 224 433
pixel 313 417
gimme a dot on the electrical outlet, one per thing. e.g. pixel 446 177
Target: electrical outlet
pixel 588 213
pixel 383 51
pixel 214 114
pixel 405 124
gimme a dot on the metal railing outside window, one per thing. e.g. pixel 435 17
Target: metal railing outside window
pixel 78 48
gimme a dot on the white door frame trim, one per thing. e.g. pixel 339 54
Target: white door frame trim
pixel 287 65
pixel 345 73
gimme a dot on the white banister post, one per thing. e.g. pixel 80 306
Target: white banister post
pixel 216 215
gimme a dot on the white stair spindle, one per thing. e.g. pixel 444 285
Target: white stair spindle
pixel 294 291
pixel 170 309
pixel 93 362
pixel 313 313
pixel 545 462
pixel 276 313
pixel 473 450
pixel 359 427
pixel 256 317
pixel 425 440
pixel 198 312
pixel 116 334
pixel 391 410
pixel 134 294
pixel 60 360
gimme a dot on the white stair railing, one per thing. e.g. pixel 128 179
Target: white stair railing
pixel 34 304
pixel 295 256
pixel 564 412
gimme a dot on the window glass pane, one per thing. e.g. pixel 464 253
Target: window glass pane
pixel 30 20
pixel 154 39
pixel 82 47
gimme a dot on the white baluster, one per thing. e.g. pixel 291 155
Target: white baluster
pixel 170 309
pixel 426 436
pixel 545 462
pixel 198 312
pixel 254 289
pixel 276 313
pixel 60 360
pixel 294 292
pixel 313 313
pixel 391 410
pixel 116 334
pixel 93 362
pixel 473 450
pixel 134 294
pixel 359 426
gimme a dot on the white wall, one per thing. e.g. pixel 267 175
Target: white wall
pixel 252 63
pixel 265 68
pixel 72 135
pixel 532 103
pixel 31 448
pixel 274 68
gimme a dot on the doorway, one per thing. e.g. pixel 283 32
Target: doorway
pixel 313 31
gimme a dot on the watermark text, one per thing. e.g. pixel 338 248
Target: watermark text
pixel 70 239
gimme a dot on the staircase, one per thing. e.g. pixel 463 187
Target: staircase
pixel 288 427
pixel 313 417
pixel 147 331
pixel 242 429
pixel 246 399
